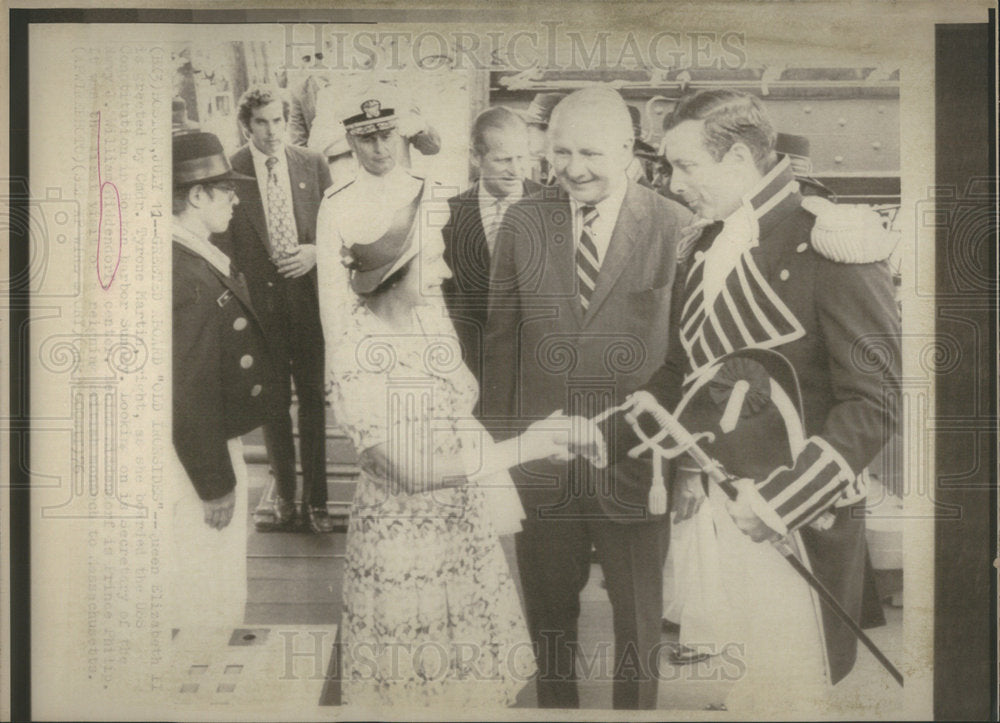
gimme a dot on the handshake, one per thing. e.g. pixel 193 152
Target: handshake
pixel 560 438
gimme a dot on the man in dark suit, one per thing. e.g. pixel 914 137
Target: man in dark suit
pixel 577 314
pixel 774 270
pixel 223 387
pixel 273 236
pixel 499 151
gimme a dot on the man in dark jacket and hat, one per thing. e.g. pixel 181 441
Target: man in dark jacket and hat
pixel 223 383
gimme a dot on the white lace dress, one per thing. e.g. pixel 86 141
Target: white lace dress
pixel 431 615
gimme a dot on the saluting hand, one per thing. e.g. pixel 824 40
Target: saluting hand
pixel 219 513
pixel 411 124
pixel 298 263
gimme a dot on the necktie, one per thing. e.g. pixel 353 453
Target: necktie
pixel 280 224
pixel 587 264
pixel 493 224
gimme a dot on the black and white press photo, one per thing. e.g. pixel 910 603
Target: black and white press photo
pixel 594 361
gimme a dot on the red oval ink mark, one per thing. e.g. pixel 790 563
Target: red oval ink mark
pixel 100 216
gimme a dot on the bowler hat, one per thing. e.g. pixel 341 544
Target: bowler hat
pixel 199 158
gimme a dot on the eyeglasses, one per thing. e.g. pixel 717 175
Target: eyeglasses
pixel 229 190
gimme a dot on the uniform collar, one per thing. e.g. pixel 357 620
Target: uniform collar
pixel 395 180
pixel 761 208
pixel 772 197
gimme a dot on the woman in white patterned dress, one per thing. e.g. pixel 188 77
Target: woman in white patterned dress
pixel 431 615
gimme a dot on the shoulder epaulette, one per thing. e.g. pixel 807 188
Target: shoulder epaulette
pixel 334 190
pixel 849 234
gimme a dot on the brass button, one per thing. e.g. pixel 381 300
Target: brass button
pixel 784 274
pixel 246 361
pixel 802 247
pixel 240 323
pixel 255 390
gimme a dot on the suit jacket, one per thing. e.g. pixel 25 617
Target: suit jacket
pixel 467 254
pixel 309 177
pixel 303 109
pixel 846 353
pixel 222 373
pixel 543 353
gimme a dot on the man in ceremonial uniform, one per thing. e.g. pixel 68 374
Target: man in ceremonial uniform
pixel 499 151
pixel 774 270
pixel 578 314
pixel 223 387
pixel 273 236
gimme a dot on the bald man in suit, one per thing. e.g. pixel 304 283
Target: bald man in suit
pixel 577 315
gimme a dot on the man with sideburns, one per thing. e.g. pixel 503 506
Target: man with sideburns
pixel 773 270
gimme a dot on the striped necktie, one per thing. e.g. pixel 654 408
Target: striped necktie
pixel 280 224
pixel 587 264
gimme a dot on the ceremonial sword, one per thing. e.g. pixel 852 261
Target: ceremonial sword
pixel 688 443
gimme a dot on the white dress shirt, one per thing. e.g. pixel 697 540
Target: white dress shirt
pixel 492 209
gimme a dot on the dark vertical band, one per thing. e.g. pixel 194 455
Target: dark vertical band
pixel 965 579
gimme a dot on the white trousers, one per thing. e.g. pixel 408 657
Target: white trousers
pixel 698 600
pixel 209 566
pixel 742 599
